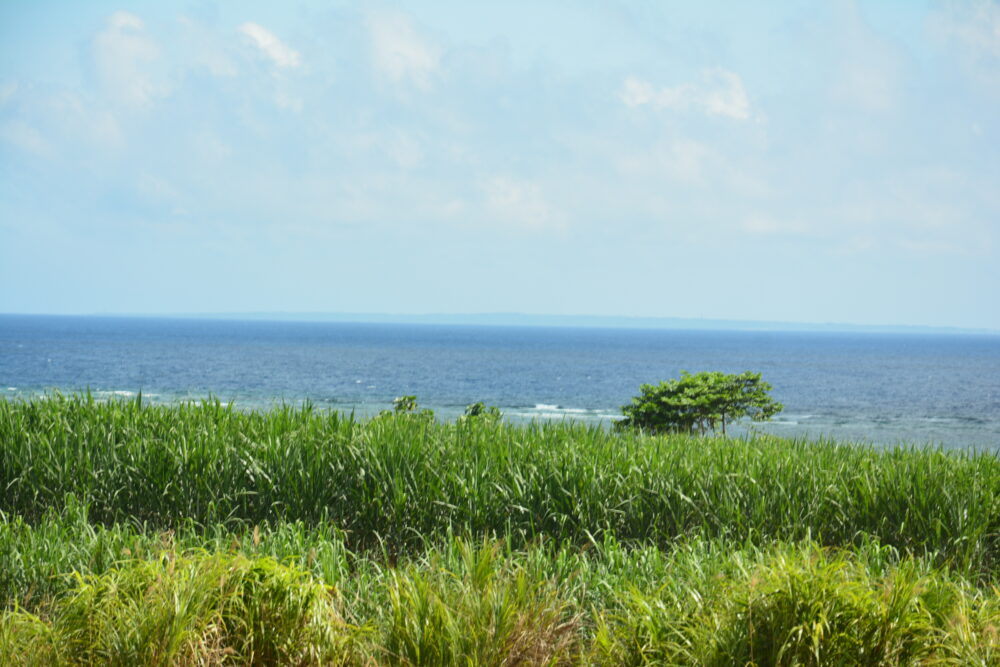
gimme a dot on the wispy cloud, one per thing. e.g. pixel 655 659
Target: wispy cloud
pixel 25 137
pixel 7 91
pixel 765 224
pixel 973 28
pixel 520 203
pixel 870 70
pixel 268 43
pixel 718 93
pixel 122 52
pixel 399 52
pixel 203 48
pixel 975 24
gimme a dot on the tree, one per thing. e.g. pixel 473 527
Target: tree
pixel 699 402
pixel 481 412
pixel 404 404
pixel 407 406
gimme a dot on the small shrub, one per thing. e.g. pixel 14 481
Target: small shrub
pixel 197 609
pixel 479 411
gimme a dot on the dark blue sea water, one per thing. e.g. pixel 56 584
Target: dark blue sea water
pixel 882 388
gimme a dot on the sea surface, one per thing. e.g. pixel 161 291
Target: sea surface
pixel 880 388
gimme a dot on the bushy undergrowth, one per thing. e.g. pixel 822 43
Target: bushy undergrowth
pixel 484 604
pixel 397 481
pixel 211 608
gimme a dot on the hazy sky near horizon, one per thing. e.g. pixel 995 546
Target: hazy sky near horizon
pixel 796 161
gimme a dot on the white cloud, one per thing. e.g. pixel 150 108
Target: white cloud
pixel 868 85
pixel 402 149
pixel 156 188
pixel 973 29
pixel 7 91
pixel 868 76
pixel 399 52
pixel 288 102
pixel 975 24
pixel 211 148
pixel 681 160
pixel 280 53
pixel 724 95
pixel 87 122
pixel 122 52
pixel 763 224
pixel 520 203
pixel 25 137
pixel 124 21
pixel 202 47
pixel 718 93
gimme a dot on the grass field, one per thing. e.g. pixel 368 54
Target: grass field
pixel 199 534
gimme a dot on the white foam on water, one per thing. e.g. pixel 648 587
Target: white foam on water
pixel 561 414
pixel 550 415
pixel 111 393
pixel 545 406
pixel 11 388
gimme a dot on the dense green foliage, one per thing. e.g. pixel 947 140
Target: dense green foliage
pixel 699 403
pixel 400 480
pixel 400 540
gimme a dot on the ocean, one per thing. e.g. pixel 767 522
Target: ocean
pixel 939 389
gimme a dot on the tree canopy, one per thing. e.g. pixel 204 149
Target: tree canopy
pixel 700 402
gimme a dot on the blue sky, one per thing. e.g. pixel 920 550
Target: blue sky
pixel 796 161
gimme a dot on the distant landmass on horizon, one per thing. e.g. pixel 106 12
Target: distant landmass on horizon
pixel 594 321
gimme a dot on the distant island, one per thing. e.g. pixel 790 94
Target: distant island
pixel 584 321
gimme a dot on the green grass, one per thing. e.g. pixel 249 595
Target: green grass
pixel 132 534
pixel 398 481
pixel 702 603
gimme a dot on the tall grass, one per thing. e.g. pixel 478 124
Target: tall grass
pixel 395 482
pixel 465 603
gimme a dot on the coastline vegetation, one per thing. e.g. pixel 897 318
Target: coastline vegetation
pixel 700 402
pixel 198 534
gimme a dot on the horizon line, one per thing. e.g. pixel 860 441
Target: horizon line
pixel 504 318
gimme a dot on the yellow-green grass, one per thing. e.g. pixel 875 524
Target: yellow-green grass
pixel 463 603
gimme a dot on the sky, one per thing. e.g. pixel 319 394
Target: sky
pixel 781 161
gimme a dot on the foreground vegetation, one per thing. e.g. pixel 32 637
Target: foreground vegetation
pixel 291 595
pixel 133 534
